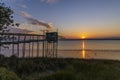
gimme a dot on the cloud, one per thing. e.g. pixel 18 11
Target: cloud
pixel 37 22
pixel 24 14
pixel 49 1
pixel 34 21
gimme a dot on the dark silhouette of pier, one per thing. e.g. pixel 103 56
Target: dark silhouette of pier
pixel 49 45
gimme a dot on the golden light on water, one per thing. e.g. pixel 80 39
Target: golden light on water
pixel 83 54
pixel 83 50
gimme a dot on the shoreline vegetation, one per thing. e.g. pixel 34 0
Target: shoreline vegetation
pixel 58 69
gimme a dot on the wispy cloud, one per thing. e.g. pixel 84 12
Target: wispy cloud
pixel 24 14
pixel 49 1
pixel 34 21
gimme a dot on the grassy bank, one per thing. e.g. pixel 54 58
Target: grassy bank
pixel 62 69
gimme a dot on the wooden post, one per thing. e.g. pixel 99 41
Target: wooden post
pixel 13 45
pixel 56 50
pixel 29 46
pixel 32 45
pixel 53 49
pixel 45 48
pixel 43 53
pixel 18 45
pixel 37 46
pixel 24 46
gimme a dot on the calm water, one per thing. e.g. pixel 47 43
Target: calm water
pixel 90 49
pixel 85 49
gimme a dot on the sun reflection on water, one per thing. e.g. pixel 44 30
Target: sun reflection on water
pixel 83 50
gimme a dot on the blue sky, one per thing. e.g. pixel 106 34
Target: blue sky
pixel 73 18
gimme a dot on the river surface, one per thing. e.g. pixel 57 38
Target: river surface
pixel 85 49
pixel 90 49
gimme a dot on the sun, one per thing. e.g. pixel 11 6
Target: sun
pixel 83 37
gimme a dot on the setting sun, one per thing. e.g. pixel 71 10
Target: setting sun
pixel 83 37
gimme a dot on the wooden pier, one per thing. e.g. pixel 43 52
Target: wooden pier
pixel 48 49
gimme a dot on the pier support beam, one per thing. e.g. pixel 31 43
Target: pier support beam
pixel 37 46
pixel 32 47
pixel 18 45
pixel 13 44
pixel 24 46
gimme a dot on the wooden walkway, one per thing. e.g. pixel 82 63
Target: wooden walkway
pixel 15 39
